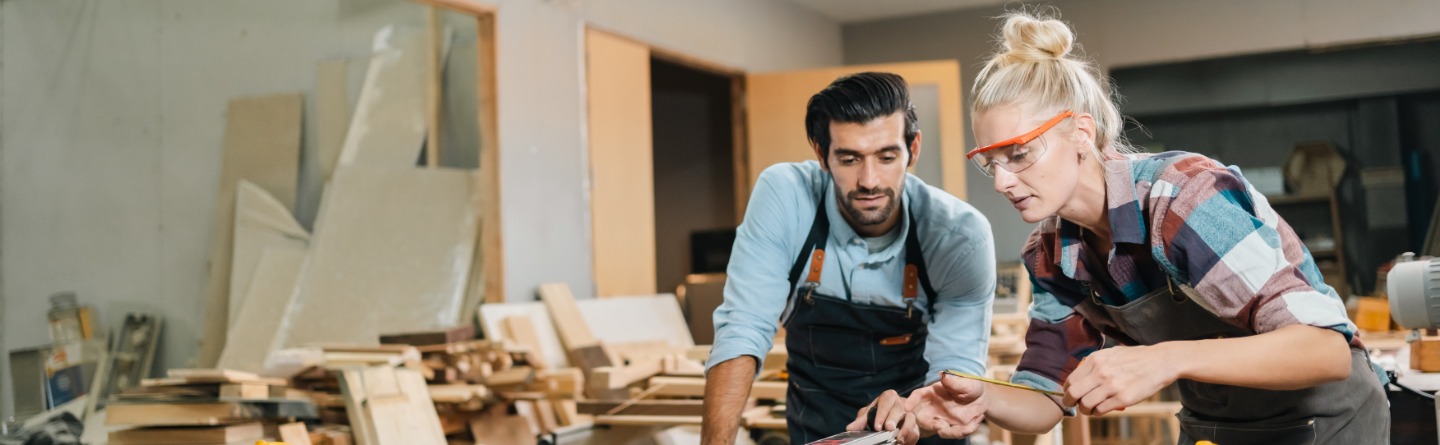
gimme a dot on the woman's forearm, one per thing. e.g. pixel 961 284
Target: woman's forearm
pixel 1289 358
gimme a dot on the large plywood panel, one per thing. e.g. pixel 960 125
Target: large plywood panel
pixel 391 253
pixel 389 123
pixel 776 115
pixel 252 334
pixel 332 112
pixel 622 202
pixel 636 319
pixel 261 222
pixel 262 145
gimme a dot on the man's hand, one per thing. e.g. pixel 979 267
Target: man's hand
pixel 890 415
pixel 952 407
pixel 1114 378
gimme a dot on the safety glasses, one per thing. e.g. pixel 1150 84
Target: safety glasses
pixel 1015 154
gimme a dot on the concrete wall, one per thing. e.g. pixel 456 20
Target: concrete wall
pixel 112 122
pixel 1121 33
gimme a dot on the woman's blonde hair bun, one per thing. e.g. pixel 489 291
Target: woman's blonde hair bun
pixel 1029 37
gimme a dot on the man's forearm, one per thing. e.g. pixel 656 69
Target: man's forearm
pixel 727 386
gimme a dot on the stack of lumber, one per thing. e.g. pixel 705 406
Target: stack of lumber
pixel 473 383
pixel 209 406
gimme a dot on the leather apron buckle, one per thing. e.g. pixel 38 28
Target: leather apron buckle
pixel 896 340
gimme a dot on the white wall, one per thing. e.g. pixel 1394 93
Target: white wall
pixel 112 121
pixel 1120 33
pixel 542 105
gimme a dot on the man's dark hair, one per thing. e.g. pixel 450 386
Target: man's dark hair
pixel 859 98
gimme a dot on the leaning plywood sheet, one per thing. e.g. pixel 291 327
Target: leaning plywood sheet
pixel 389 123
pixel 262 145
pixel 252 335
pixel 261 222
pixel 636 319
pixel 391 253
pixel 493 315
pixel 332 111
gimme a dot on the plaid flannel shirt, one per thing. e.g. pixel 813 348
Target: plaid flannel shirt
pixel 1182 215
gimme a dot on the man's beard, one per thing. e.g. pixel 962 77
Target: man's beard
pixel 869 217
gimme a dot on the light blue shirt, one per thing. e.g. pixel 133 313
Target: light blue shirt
pixel 955 240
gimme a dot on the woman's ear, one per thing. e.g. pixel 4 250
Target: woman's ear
pixel 1084 128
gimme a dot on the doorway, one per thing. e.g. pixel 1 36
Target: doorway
pixel 692 116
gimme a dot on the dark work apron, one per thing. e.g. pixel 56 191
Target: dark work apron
pixel 843 354
pixel 1353 411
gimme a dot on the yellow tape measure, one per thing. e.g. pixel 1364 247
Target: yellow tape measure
pixel 1003 383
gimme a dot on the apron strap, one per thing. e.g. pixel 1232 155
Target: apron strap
pixel 915 270
pixel 819 233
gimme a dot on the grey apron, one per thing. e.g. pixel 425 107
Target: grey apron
pixel 1353 411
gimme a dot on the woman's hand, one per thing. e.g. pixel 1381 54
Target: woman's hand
pixel 952 407
pixel 1114 378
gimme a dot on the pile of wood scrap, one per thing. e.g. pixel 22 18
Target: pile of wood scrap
pixel 473 380
pixel 209 406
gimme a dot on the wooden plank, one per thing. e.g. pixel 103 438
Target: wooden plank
pixel 244 432
pixel 487 112
pixel 389 122
pixel 212 375
pixel 695 387
pixel 262 145
pixel 294 433
pixel 277 275
pixel 520 330
pixel 179 414
pixel 458 393
pixel 244 391
pixel 385 233
pixel 352 387
pixel 519 375
pixel 622 183
pixel 612 377
pixel 261 222
pixel 647 420
pixel 424 422
pixel 451 334
pixel 332 111
pixel 642 407
pixel 569 322
pixel 466 6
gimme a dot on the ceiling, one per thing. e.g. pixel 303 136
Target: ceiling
pixel 847 11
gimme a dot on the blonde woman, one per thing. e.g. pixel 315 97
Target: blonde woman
pixel 1155 269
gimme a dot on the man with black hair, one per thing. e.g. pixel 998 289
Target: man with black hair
pixel 880 280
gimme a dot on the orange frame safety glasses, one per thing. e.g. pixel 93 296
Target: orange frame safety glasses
pixel 1024 138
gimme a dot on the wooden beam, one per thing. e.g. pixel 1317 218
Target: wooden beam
pixel 519 329
pixel 642 407
pixel 466 6
pixel 487 111
pixel 613 377
pixel 574 333
pixel 647 420
pixel 695 387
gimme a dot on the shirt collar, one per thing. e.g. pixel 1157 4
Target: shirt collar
pixel 1127 223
